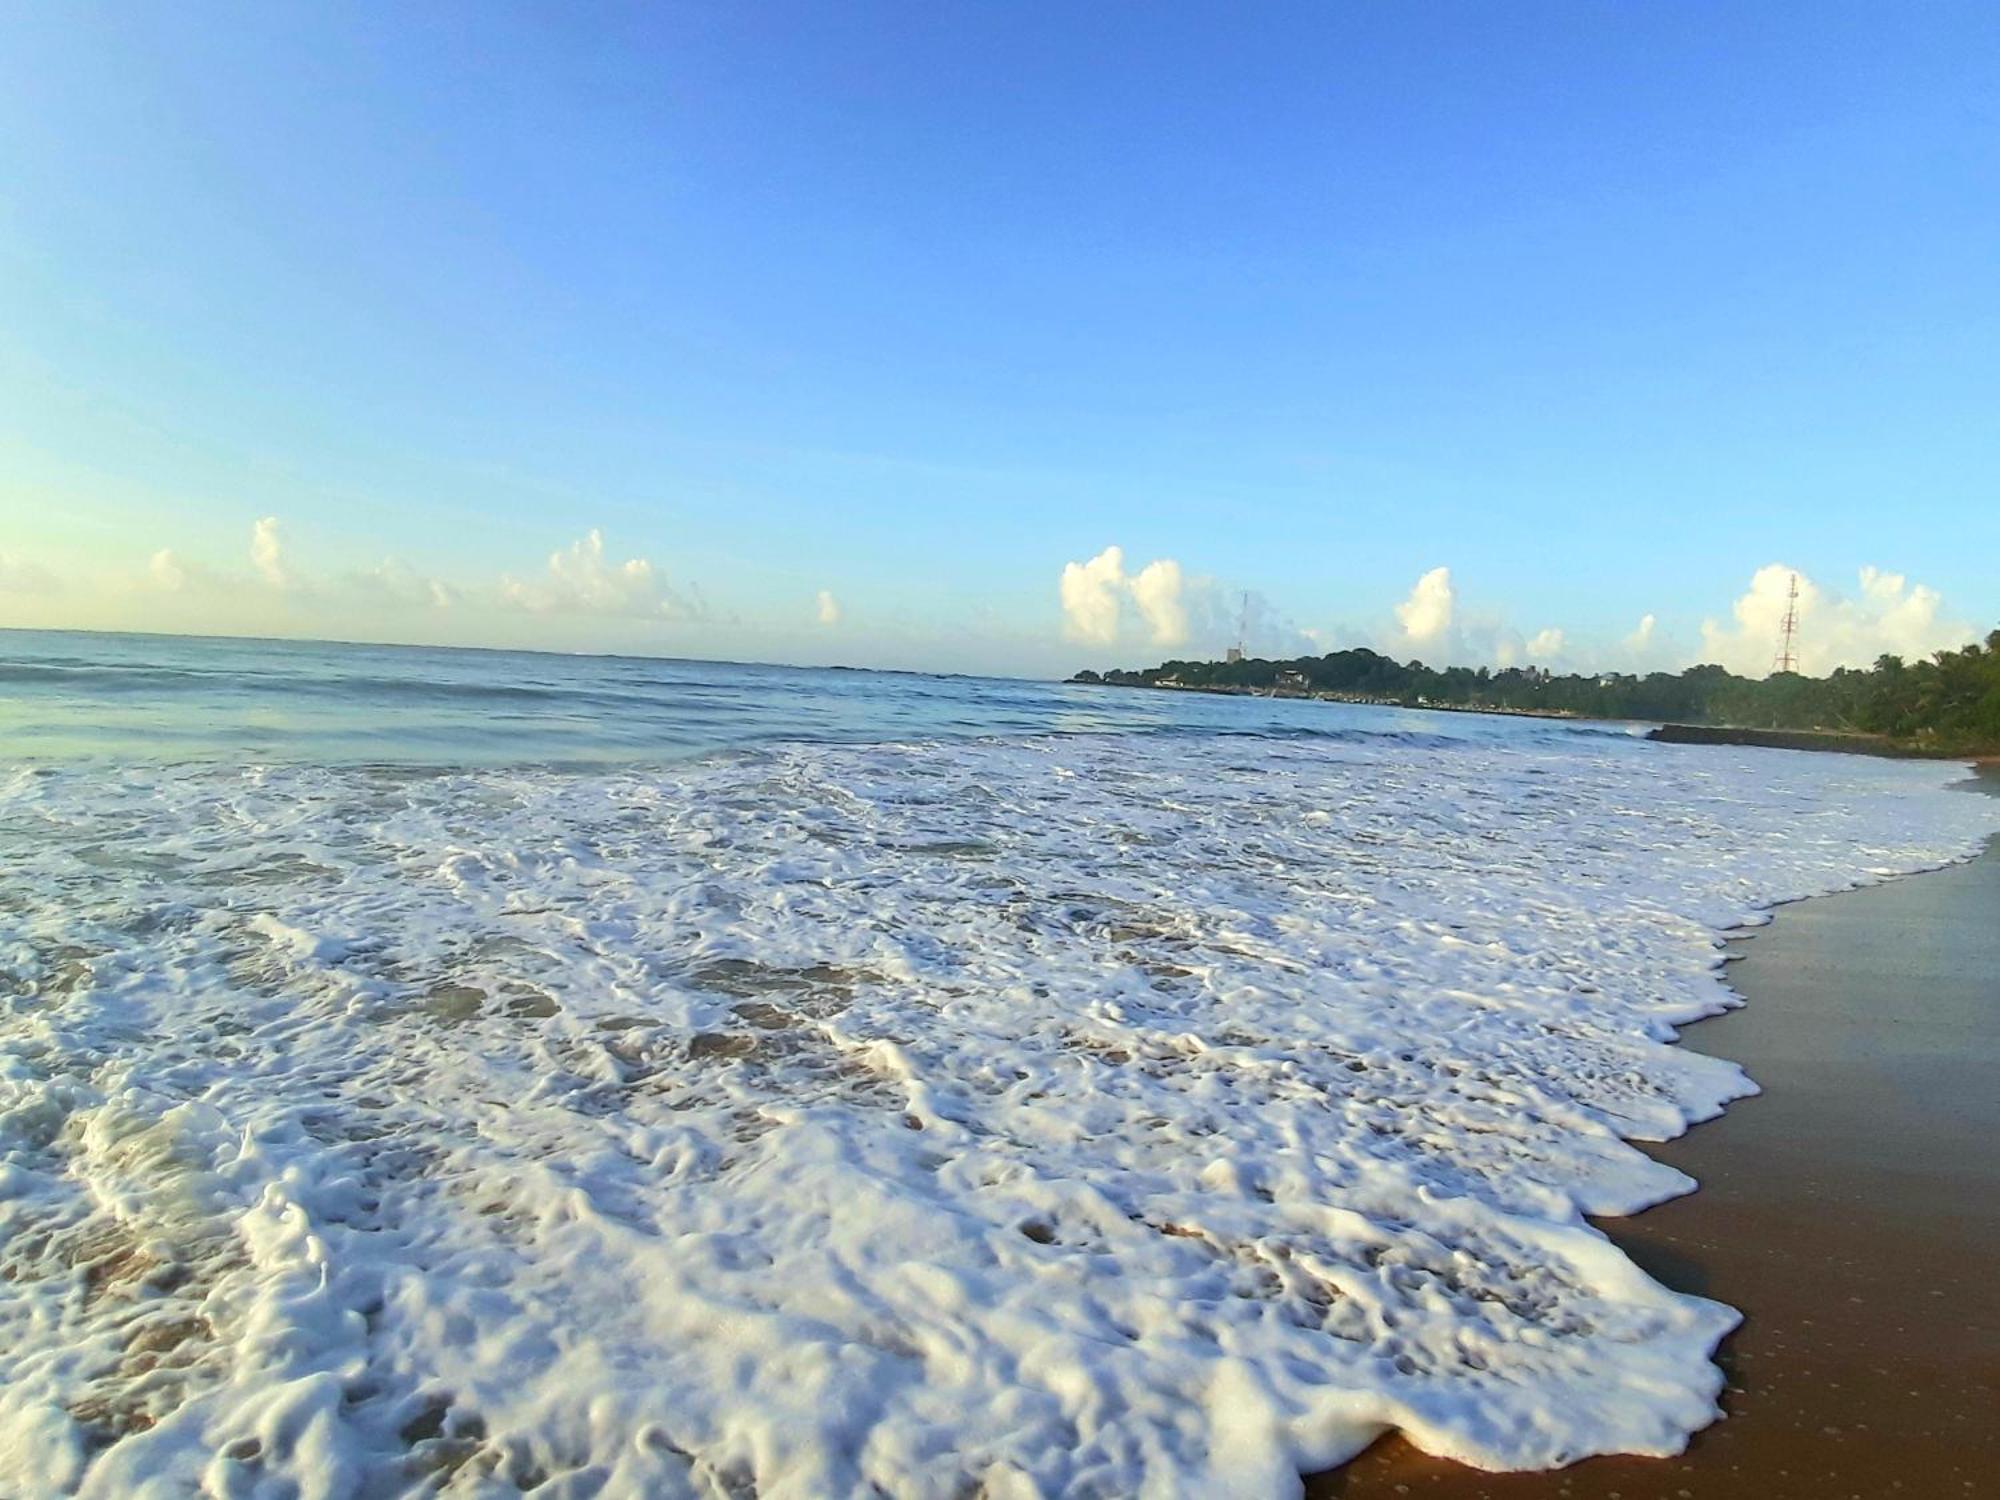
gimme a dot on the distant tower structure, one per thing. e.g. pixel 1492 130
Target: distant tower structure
pixel 1788 632
pixel 1235 652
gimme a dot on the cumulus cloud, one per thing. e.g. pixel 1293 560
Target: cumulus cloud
pixel 1891 615
pixel 267 553
pixel 1425 616
pixel 393 581
pixel 581 579
pixel 1433 621
pixel 1158 591
pixel 1104 603
pixel 1091 594
pixel 172 573
pixel 827 608
pixel 1647 648
pixel 1172 607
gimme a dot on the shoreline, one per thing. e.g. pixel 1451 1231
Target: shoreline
pixel 1824 741
pixel 1354 700
pixel 1848 1211
pixel 1819 741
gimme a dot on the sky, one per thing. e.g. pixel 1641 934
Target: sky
pixel 1006 338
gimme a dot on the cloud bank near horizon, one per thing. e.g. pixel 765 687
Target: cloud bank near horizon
pixel 1171 609
pixel 267 585
pixel 1094 595
pixel 584 596
pixel 1889 615
pixel 581 579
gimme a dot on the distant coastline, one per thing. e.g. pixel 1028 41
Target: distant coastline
pixel 1672 734
pixel 1945 707
pixel 1227 690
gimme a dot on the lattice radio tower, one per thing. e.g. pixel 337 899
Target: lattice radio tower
pixel 1788 632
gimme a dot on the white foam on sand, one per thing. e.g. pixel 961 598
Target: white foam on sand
pixel 1075 1117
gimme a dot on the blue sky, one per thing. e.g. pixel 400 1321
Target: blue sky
pixel 1601 308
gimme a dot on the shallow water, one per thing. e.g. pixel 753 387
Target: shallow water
pixel 999 1089
pixel 1853 1210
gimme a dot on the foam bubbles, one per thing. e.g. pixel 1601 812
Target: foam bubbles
pixel 1068 1117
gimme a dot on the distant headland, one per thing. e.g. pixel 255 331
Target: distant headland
pixel 1948 705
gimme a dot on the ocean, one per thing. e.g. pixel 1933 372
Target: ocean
pixel 478 1071
pixel 71 696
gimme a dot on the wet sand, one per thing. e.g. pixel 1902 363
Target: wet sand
pixel 1852 1211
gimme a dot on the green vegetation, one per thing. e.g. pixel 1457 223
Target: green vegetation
pixel 1947 705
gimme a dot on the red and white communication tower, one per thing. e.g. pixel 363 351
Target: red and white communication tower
pixel 1788 632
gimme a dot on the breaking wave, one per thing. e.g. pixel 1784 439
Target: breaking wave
pixel 1075 1115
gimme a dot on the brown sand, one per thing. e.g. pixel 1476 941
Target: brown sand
pixel 1852 1211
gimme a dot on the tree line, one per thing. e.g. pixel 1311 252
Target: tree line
pixel 1949 703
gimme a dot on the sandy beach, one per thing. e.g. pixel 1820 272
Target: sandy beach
pixel 1850 1211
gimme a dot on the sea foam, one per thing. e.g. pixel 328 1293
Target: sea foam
pixel 1076 1116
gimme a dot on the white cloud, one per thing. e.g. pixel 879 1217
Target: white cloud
pixel 1157 590
pixel 1173 607
pixel 1545 645
pixel 267 553
pixel 1647 649
pixel 394 581
pixel 1090 597
pixel 391 582
pixel 827 608
pixel 171 573
pixel 1430 621
pixel 581 580
pixel 1891 616
pixel 1426 615
pixel 1433 621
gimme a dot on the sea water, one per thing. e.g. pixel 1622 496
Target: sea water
pixel 480 1072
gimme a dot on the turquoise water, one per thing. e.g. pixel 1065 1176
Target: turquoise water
pixel 70 695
